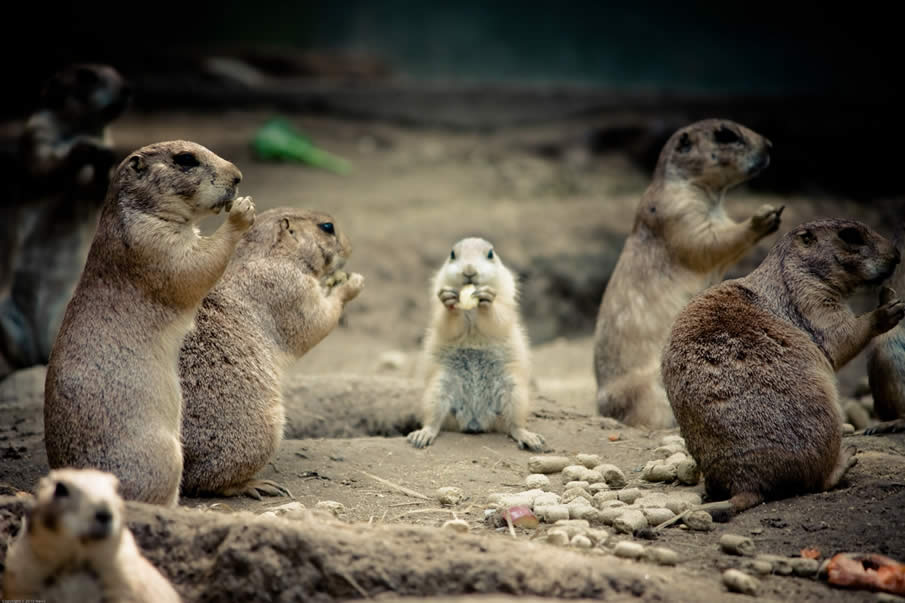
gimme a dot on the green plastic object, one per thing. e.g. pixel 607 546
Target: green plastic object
pixel 278 140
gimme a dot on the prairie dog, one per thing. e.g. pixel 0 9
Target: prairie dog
pixel 750 364
pixel 112 395
pixel 886 361
pixel 681 243
pixel 282 293
pixel 64 162
pixel 478 360
pixel 74 546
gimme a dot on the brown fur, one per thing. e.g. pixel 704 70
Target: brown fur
pixel 63 169
pixel 681 243
pixel 280 296
pixel 750 364
pixel 112 394
pixel 74 546
pixel 886 363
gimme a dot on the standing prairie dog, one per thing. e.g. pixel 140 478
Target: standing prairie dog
pixel 750 364
pixel 681 243
pixel 886 361
pixel 478 375
pixel 282 293
pixel 74 546
pixel 112 395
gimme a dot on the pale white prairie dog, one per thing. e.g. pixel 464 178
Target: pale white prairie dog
pixel 682 242
pixel 112 396
pixel 74 546
pixel 478 358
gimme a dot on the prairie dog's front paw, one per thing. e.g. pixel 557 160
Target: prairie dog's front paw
pixel 352 287
pixel 337 278
pixel 766 219
pixel 242 213
pixel 449 297
pixel 889 314
pixel 485 296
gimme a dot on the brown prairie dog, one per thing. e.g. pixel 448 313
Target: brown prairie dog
pixel 886 361
pixel 681 243
pixel 750 365
pixel 112 394
pixel 478 357
pixel 282 294
pixel 74 546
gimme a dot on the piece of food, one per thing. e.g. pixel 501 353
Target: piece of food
pixel 467 301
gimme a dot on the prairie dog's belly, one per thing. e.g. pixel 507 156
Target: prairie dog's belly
pixel 477 385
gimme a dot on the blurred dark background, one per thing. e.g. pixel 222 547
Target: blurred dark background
pixel 820 81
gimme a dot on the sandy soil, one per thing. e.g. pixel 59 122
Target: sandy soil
pixel 559 223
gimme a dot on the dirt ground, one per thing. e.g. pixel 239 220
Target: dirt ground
pixel 559 222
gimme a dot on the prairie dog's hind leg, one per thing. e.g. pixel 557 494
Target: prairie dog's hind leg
pixel 437 406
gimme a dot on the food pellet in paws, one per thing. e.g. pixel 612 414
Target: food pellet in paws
pixel 466 299
pixel 629 495
pixel 612 475
pixel 662 555
pixel 629 550
pixel 450 495
pixel 740 582
pixel 456 525
pixel 581 541
pixel 735 544
pixel 700 521
pixel 688 473
pixel 588 460
pixel 630 521
pixel 547 464
pixel 538 480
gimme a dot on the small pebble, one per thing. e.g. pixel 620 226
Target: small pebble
pixel 740 582
pixel 456 525
pixel 450 495
pixel 663 555
pixel 538 481
pixel 608 516
pixel 653 499
pixel 612 475
pixel 737 545
pixel 581 541
pixel 628 549
pixel 657 515
pixel 577 484
pixel 546 499
pixel 519 499
pixel 613 437
pixel 588 460
pixel 629 495
pixel 758 566
pixel 700 521
pixel 597 535
pixel 573 472
pixel 572 526
pixel 779 563
pixel 806 568
pixel 667 451
pixel 547 464
pixel 677 502
pixel 576 493
pixel 676 458
pixel 688 472
pixel 287 508
pixel 659 473
pixel 331 505
pixel 848 429
pixel 609 504
pixel 582 511
pixel 630 521
pixel 604 496
pixel 558 537
pixel 552 513
pixel 598 487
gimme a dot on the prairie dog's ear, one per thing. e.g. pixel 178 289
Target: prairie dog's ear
pixel 805 237
pixel 285 226
pixel 138 165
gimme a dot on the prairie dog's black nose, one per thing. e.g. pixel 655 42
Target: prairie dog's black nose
pixel 103 516
pixel 237 180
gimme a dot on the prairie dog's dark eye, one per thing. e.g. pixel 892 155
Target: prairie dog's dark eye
pixel 186 160
pixel 724 135
pixel 327 227
pixel 61 491
pixel 452 254
pixel 490 254
pixel 684 143
pixel 852 236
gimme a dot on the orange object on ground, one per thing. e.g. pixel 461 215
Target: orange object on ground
pixel 867 571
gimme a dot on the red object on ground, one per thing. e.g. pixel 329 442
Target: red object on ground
pixel 867 571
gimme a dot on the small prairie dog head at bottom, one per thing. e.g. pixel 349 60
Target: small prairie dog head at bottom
pixel 310 238
pixel 474 261
pixel 77 513
pixel 177 180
